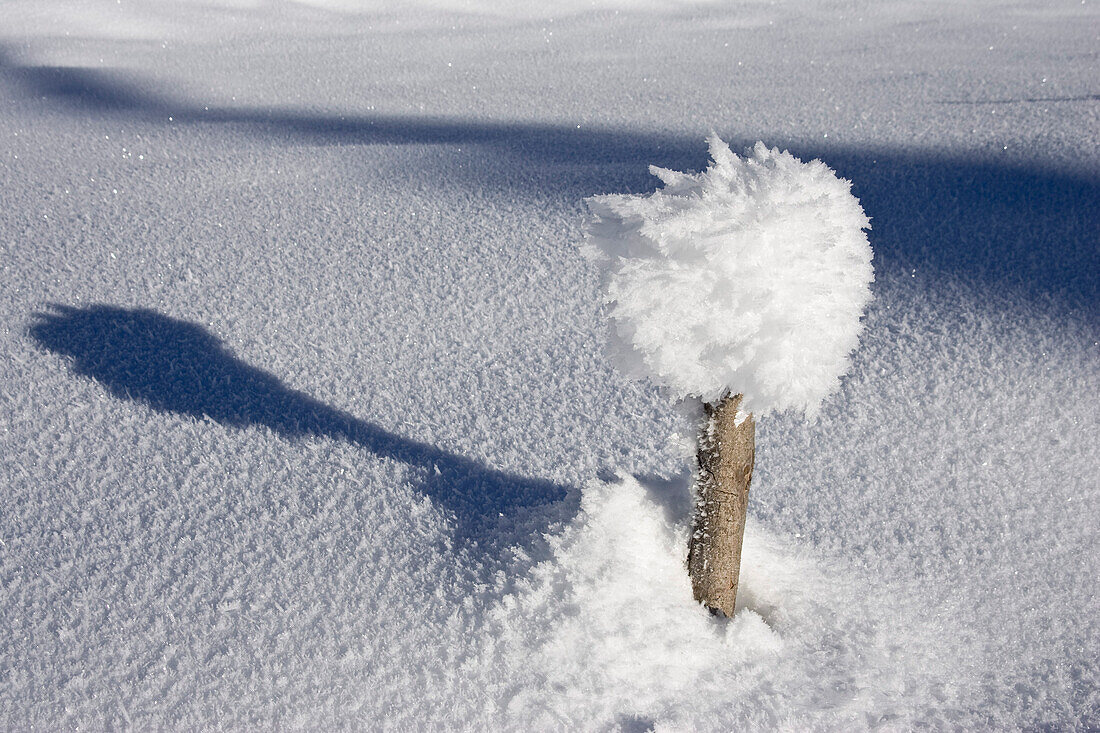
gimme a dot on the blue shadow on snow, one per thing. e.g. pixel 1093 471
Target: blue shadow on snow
pixel 1003 228
pixel 179 367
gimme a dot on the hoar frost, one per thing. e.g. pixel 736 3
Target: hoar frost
pixel 748 277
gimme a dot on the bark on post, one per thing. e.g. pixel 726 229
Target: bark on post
pixel 726 455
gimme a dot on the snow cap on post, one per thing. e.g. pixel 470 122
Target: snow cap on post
pixel 749 277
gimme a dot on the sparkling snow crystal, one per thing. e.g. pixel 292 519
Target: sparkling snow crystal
pixel 751 276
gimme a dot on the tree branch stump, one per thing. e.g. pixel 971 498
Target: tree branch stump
pixel 726 454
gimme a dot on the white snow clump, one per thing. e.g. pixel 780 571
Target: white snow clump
pixel 750 277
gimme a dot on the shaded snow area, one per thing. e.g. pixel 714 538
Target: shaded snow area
pixel 307 419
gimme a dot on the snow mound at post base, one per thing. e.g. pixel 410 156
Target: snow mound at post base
pixel 607 626
pixel 751 277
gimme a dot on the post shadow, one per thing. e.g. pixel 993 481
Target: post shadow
pixel 179 367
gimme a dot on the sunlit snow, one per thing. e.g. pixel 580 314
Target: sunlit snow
pixel 307 421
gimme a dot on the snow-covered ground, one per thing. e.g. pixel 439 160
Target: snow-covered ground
pixel 306 421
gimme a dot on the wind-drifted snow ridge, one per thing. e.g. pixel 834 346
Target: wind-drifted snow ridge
pixel 751 276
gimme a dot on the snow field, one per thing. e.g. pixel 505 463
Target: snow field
pixel 374 256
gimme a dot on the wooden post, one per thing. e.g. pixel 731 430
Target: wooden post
pixel 726 453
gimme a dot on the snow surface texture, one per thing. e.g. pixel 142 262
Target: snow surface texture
pixel 750 277
pixel 611 610
pixel 299 357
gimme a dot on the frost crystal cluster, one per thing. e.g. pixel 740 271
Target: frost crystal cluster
pixel 751 276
